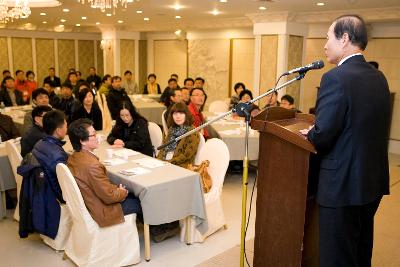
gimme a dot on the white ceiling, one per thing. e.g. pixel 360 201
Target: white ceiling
pixel 195 14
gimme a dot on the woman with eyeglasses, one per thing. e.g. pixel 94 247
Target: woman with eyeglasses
pixel 131 131
pixel 197 101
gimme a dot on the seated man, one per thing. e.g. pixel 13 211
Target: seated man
pixel 49 153
pixel 9 95
pixel 7 128
pixel 53 98
pixel 40 97
pixel 36 132
pixel 68 103
pixel 287 101
pixel 106 202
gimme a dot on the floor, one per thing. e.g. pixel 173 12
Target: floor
pixel 220 249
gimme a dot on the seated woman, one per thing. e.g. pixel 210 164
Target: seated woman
pixel 89 109
pixel 239 87
pixel 131 131
pixel 244 97
pixel 183 152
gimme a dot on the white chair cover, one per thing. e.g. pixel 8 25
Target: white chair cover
pixel 107 120
pixel 218 106
pixel 164 123
pixel 199 148
pixel 90 245
pixel 15 159
pixel 216 151
pixel 155 135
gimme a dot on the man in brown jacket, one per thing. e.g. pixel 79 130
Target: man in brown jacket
pixel 106 202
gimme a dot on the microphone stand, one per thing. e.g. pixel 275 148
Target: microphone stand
pixel 242 109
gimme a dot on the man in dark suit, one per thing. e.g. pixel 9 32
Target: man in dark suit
pixel 52 78
pixel 351 137
pixel 9 95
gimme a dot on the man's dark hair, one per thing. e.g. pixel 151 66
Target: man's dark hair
pixel 82 94
pixel 52 120
pixel 39 110
pixel 67 85
pixel 151 75
pixel 127 72
pixel 105 78
pixel 355 27
pixel 288 98
pixel 200 79
pixel 39 91
pixel 8 78
pixel 52 68
pixel 188 79
pixel 245 92
pixel 78 73
pixel 92 68
pixel 18 71
pixel 375 64
pixel 85 83
pixel 78 131
pixel 174 75
pixel 29 72
pixel 6 71
pixel 115 78
pixel 172 80
pixel 238 85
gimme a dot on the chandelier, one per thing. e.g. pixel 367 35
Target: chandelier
pixel 106 4
pixel 20 10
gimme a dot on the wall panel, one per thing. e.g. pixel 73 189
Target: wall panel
pixel 44 58
pixel 269 57
pixel 295 57
pixel 127 56
pixel 85 56
pixel 22 54
pixel 242 63
pixel 3 54
pixel 66 57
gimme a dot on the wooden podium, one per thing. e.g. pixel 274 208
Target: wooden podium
pixel 286 232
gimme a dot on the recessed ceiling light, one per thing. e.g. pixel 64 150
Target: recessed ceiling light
pixel 320 4
pixel 97 23
pixel 178 32
pixel 139 11
pixel 146 19
pixel 177 6
pixel 65 10
pixel 262 8
pixel 120 21
pixel 61 25
pixel 178 17
pixel 108 14
pixel 223 1
pixel 129 1
pixel 84 17
pixel 215 12
pixel 44 22
pixel 63 20
pixel 42 14
pixel 77 25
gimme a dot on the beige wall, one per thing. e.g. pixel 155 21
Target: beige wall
pixel 66 58
pixel 269 57
pixel 209 58
pixel 142 63
pixel 22 54
pixel 242 67
pixel 127 56
pixel 85 57
pixel 3 54
pixel 295 59
pixel 44 58
pixel 170 56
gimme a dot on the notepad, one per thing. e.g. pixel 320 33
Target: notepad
pixel 114 161
pixel 122 153
pixel 150 162
pixel 135 171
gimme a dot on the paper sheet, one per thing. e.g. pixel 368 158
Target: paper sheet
pixel 114 161
pixel 135 171
pixel 150 162
pixel 125 153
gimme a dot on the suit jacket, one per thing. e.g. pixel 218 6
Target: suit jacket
pixel 30 138
pixel 351 134
pixel 56 81
pixel 101 197
pixel 8 130
pixel 5 97
pixel 114 101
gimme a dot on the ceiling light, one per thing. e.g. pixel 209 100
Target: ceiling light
pixel 177 6
pixel 44 22
pixel 120 21
pixel 139 11
pixel 77 25
pixel 320 4
pixel 106 4
pixel 146 19
pixel 129 1
pixel 178 32
pixel 178 17
pixel 66 10
pixel 215 12
pixel 108 14
pixel 42 14
pixel 223 1
pixel 262 8
pixel 61 25
pixel 62 20
pixel 84 17
pixel 97 23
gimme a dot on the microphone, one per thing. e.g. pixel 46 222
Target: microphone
pixel 312 66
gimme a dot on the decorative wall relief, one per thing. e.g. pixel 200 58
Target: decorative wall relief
pixel 85 57
pixel 3 54
pixel 66 57
pixel 44 58
pixel 22 54
pixel 295 56
pixel 269 57
pixel 127 56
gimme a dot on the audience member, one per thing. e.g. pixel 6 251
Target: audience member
pixel 49 153
pixel 93 79
pixel 172 85
pixel 188 83
pixel 197 101
pixel 79 78
pixel 40 97
pixel 272 100
pixel 52 78
pixel 53 97
pixel 239 87
pixel 199 82
pixel 287 101
pixel 116 96
pixel 185 95
pixel 131 130
pixel 7 128
pixel 68 103
pixel 244 97
pixel 129 84
pixel 105 86
pixel 89 109
pixel 107 203
pixel 9 95
pixel 183 152
pixel 72 79
pixel 36 131
pixel 152 87
pixel 31 84
pixel 6 73
pixel 174 97
pixel 20 85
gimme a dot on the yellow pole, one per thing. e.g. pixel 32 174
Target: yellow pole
pixel 244 202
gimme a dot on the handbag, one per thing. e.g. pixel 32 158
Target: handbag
pixel 206 181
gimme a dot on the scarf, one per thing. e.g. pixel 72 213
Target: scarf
pixel 174 132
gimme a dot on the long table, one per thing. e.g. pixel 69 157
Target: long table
pixel 17 114
pixel 148 107
pixel 7 179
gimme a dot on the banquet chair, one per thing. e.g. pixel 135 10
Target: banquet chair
pixel 107 120
pixel 164 123
pixel 216 151
pixel 90 245
pixel 15 158
pixel 218 106
pixel 155 136
pixel 202 142
pixel 99 101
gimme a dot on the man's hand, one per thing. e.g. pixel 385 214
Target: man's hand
pixel 123 189
pixel 119 143
pixel 305 131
